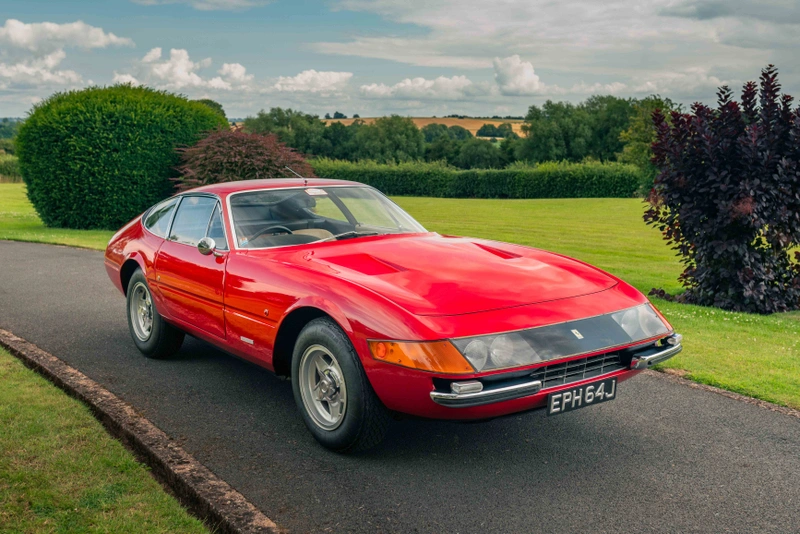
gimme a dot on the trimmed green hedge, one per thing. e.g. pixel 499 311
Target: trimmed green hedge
pixel 9 166
pixel 98 157
pixel 546 180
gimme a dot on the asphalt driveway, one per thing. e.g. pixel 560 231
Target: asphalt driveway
pixel 661 458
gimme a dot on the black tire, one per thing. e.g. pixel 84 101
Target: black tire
pixel 365 419
pixel 163 339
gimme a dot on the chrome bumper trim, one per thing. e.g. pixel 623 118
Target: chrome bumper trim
pixel 644 360
pixel 487 396
pixel 663 353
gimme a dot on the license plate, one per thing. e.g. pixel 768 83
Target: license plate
pixel 582 396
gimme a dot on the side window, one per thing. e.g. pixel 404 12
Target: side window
pixel 216 230
pixel 157 220
pixel 191 220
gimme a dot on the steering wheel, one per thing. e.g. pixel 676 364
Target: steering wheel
pixel 267 229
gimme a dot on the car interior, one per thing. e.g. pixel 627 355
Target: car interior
pixel 279 218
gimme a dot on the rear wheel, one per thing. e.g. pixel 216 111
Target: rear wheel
pixel 331 390
pixel 153 336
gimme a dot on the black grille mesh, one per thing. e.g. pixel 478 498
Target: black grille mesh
pixel 572 371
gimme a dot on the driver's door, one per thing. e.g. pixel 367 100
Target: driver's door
pixel 191 283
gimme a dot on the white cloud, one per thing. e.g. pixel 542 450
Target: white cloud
pixel 516 77
pixel 124 78
pixel 32 53
pixel 210 5
pixel 584 45
pixel 179 72
pixel 39 71
pixel 47 37
pixel 152 55
pixel 690 81
pixel 235 72
pixel 598 88
pixel 312 81
pixel 441 88
pixel 412 51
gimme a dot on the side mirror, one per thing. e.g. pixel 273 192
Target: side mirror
pixel 206 246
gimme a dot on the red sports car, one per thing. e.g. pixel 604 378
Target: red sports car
pixel 331 283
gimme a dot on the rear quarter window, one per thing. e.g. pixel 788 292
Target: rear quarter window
pixel 191 221
pixel 158 217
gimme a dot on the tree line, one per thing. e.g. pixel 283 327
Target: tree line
pixel 602 128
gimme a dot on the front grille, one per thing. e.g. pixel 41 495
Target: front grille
pixel 572 371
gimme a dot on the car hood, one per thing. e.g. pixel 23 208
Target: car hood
pixel 430 274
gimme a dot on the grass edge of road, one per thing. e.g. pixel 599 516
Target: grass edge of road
pixel 61 470
pixel 20 222
pixel 753 355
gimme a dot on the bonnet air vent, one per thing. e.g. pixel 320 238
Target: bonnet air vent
pixel 497 252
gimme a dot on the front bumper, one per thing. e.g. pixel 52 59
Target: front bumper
pixel 658 354
pixel 519 387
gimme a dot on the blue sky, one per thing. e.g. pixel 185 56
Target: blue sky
pixel 412 57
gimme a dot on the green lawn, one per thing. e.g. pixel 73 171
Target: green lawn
pixel 61 472
pixel 19 222
pixel 750 354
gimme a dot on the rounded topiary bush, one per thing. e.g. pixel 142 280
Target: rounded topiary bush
pixel 98 157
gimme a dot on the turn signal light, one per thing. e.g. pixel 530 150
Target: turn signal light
pixel 436 356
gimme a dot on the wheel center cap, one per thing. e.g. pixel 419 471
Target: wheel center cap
pixel 328 386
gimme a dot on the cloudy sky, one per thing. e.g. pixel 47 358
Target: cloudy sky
pixel 412 57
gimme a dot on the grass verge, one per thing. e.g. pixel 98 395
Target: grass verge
pixel 19 222
pixel 749 354
pixel 61 472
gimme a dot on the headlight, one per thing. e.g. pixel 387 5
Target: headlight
pixel 477 352
pixel 583 336
pixel 497 352
pixel 640 322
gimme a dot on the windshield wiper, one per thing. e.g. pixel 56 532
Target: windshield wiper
pixel 347 235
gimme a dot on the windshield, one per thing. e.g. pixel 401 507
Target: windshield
pixel 280 217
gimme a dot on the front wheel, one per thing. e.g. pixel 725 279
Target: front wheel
pixel 337 402
pixel 153 336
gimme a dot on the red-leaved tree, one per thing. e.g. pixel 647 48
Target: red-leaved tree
pixel 231 155
pixel 728 198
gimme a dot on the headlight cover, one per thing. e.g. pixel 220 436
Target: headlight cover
pixel 525 347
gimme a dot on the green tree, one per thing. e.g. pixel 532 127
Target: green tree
pixel 459 132
pixel 608 116
pixel 565 131
pixel 478 154
pixel 216 106
pixel 443 149
pixel 296 129
pixel 9 128
pixel 390 139
pixel 7 147
pixel 638 138
pixel 487 130
pixel 337 115
pixel 434 131
pixel 341 140
pixel 506 130
pixel 556 131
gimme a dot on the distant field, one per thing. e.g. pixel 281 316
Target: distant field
pixel 473 125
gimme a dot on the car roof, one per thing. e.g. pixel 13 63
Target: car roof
pixel 227 188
